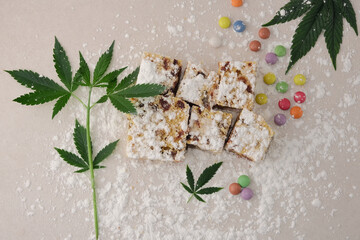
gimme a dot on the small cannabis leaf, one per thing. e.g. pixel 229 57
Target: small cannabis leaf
pixel 206 175
pixel 320 15
pixel 120 93
pixel 80 141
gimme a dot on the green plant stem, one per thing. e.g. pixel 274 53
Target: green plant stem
pixel 77 98
pixel 190 198
pixel 91 164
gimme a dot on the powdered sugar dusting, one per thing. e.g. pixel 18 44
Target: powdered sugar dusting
pixel 301 179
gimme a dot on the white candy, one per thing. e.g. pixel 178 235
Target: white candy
pixel 215 42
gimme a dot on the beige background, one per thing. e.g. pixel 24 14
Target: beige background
pixel 313 162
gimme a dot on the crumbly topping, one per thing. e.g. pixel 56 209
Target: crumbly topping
pixel 208 129
pixel 161 70
pixel 159 130
pixel 250 137
pixel 237 84
pixel 197 86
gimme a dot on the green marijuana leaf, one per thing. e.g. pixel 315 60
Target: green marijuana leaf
pixel 103 63
pixel 291 11
pixel 46 90
pixel 128 80
pixel 320 15
pixel 105 152
pixel 122 104
pixel 62 65
pixel 142 90
pixel 204 178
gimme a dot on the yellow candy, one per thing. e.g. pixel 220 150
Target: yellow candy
pixel 299 79
pixel 261 99
pixel 224 22
pixel 269 78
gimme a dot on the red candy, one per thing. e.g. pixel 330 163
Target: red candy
pixel 284 104
pixel 299 97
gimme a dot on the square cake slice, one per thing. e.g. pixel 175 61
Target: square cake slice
pixel 250 137
pixel 161 70
pixel 208 129
pixel 197 86
pixel 159 129
pixel 237 85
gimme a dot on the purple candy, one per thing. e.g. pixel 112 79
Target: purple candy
pixel 246 193
pixel 271 58
pixel 279 119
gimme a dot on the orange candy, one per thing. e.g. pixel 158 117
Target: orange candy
pixel 236 3
pixel 296 112
pixel 255 45
pixel 264 33
pixel 234 188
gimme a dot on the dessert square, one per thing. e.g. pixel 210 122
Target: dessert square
pixel 197 86
pixel 159 129
pixel 158 69
pixel 250 137
pixel 208 129
pixel 237 84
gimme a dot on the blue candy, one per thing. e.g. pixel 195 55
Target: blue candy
pixel 239 26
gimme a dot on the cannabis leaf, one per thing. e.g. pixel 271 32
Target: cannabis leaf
pixel 122 104
pixel 103 63
pixel 307 33
pixel 319 15
pixel 84 72
pixel 80 141
pixel 206 175
pixel 128 80
pixel 291 11
pixel 62 65
pixel 46 90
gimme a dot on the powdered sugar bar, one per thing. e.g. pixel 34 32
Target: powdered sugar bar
pixel 161 70
pixel 250 137
pixel 197 86
pixel 237 84
pixel 208 128
pixel 159 130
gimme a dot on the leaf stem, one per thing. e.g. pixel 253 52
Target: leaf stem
pixel 93 105
pixel 91 168
pixel 190 198
pixel 77 98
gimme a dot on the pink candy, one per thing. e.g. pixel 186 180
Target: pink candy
pixel 299 97
pixel 284 104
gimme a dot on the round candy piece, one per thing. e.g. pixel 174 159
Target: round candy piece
pixel 224 22
pixel 269 78
pixel 279 119
pixel 284 104
pixel 234 188
pixel 299 79
pixel 261 98
pixel 246 194
pixel 255 45
pixel 282 87
pixel 299 97
pixel 244 181
pixel 280 50
pixel 296 112
pixel 264 33
pixel 215 41
pixel 271 58
pixel 236 3
pixel 239 26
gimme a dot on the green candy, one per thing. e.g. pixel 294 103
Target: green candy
pixel 244 181
pixel 280 50
pixel 282 87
